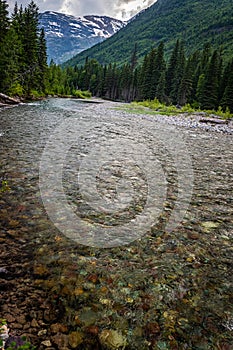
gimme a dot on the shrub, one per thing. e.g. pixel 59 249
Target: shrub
pixel 15 90
pixel 82 94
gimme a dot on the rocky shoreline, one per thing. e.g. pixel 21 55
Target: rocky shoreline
pixel 196 120
pixel 199 120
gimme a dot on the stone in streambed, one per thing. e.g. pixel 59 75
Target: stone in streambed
pixel 112 340
pixel 75 339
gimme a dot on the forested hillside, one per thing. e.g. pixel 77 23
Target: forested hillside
pixel 195 22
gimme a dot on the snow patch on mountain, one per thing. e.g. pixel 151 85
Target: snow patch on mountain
pixel 68 35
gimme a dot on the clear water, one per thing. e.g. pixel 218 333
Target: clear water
pixel 130 221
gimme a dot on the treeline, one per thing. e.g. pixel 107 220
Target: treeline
pixel 202 79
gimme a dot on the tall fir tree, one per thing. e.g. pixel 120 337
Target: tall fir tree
pixel 4 20
pixel 160 69
pixel 171 70
pixel 186 84
pixel 9 64
pixel 227 99
pixel 134 58
pixel 42 62
pixel 210 90
pixel 30 47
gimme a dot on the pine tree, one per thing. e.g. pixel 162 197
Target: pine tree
pixel 227 100
pixel 134 58
pixel 195 61
pixel 175 71
pixel 144 86
pixel 30 47
pixel 42 62
pixel 135 85
pixel 171 70
pixel 4 20
pixel 9 63
pixel 160 69
pixel 210 93
pixel 185 88
pixel 152 75
pixel 148 76
pixel 126 78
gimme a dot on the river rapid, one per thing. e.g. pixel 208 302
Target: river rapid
pixel 127 225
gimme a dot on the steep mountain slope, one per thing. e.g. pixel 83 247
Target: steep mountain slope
pixel 196 22
pixel 68 35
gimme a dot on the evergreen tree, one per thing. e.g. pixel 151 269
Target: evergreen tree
pixel 4 20
pixel 30 47
pixel 152 75
pixel 111 82
pixel 42 62
pixel 159 74
pixel 135 85
pixel 195 61
pixel 171 70
pixel 185 88
pixel 134 58
pixel 126 79
pixel 148 85
pixel 227 100
pixel 145 75
pixel 210 91
pixel 9 63
pixel 161 88
pixel 178 73
pixel 206 54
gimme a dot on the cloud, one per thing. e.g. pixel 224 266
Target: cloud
pixel 114 8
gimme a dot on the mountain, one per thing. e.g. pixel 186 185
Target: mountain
pixel 68 35
pixel 196 22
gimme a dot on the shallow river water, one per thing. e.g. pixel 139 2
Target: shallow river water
pixel 130 222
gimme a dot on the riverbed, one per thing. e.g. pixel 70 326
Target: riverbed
pixel 117 229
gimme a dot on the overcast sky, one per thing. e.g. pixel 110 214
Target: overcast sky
pixel 121 9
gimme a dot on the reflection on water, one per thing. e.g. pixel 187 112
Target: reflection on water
pixel 166 290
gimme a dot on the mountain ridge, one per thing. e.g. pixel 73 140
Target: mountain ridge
pixel 196 22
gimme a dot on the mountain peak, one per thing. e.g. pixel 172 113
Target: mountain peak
pixel 68 35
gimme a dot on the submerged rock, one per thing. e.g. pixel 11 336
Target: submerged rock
pixel 112 339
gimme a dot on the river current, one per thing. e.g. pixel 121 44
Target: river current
pixel 130 222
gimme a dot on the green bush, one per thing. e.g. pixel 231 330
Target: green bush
pixel 15 90
pixel 36 94
pixel 82 94
pixel 160 108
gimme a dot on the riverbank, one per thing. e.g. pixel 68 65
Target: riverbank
pixel 195 120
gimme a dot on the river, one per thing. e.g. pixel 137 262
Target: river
pixel 129 221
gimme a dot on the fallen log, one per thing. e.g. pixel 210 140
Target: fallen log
pixel 8 100
pixel 213 121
